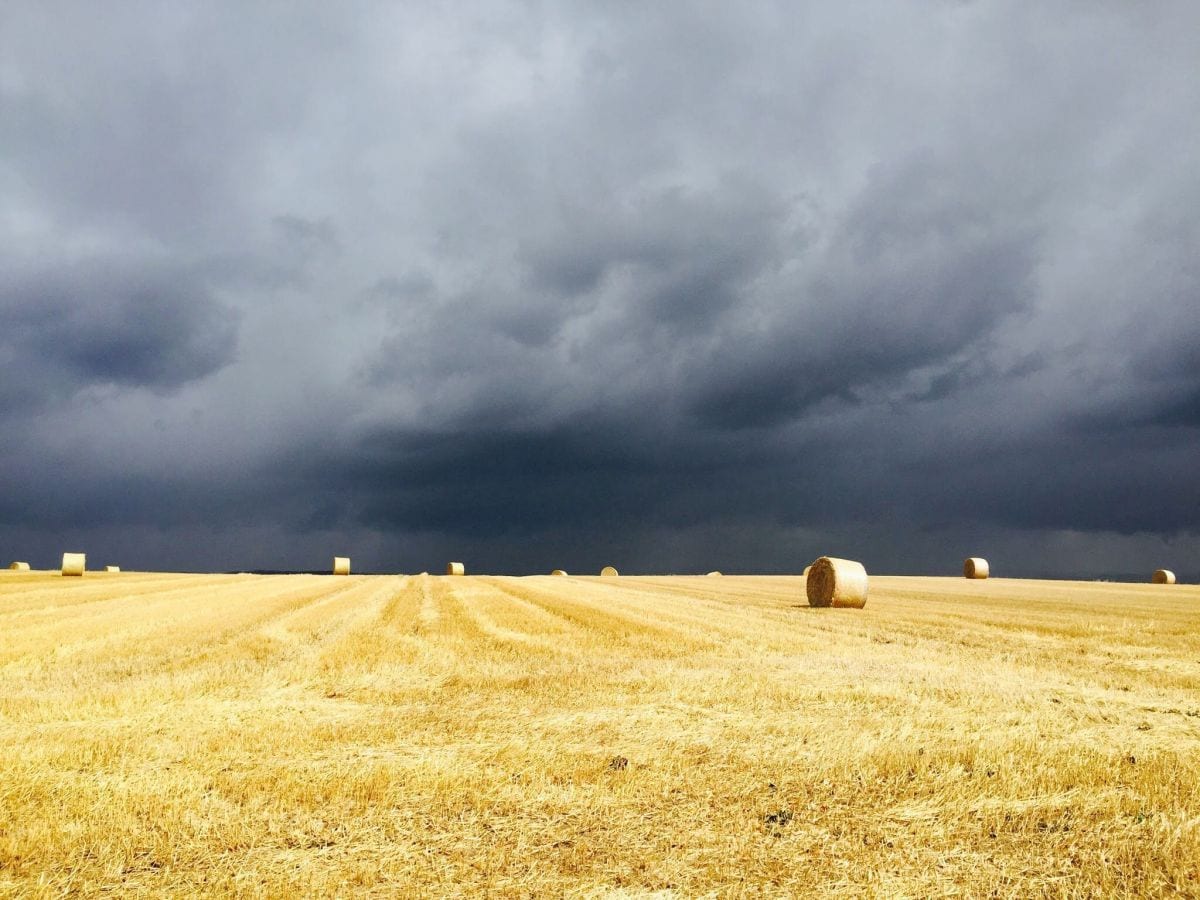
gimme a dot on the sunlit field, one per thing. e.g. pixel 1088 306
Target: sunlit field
pixel 684 736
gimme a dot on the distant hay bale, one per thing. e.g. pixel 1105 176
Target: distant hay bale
pixel 807 569
pixel 609 572
pixel 1164 576
pixel 112 568
pixel 975 567
pixel 19 566
pixel 456 568
pixel 837 582
pixel 558 572
pixel 341 565
pixel 713 574
pixel 74 563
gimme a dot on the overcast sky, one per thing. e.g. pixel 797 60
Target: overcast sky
pixel 668 286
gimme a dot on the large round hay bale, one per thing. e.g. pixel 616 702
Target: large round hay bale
pixel 456 568
pixel 558 572
pixel 112 568
pixel 609 572
pixel 341 565
pixel 74 563
pixel 975 567
pixel 837 582
pixel 19 566
pixel 713 574
pixel 1164 576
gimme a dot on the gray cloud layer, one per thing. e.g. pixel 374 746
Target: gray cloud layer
pixel 539 285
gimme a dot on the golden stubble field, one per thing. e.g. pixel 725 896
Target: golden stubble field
pixel 421 736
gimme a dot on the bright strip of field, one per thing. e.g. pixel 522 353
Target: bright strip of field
pixel 257 735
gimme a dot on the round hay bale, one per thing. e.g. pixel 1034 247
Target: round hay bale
pixel 19 566
pixel 1164 576
pixel 341 565
pixel 74 563
pixel 975 567
pixel 807 569
pixel 609 572
pixel 713 574
pixel 837 582
pixel 112 568
pixel 456 568
pixel 558 572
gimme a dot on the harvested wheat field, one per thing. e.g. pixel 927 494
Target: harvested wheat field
pixel 560 736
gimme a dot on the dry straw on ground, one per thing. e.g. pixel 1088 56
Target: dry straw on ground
pixel 379 736
pixel 74 563
pixel 837 582
pixel 975 567
pixel 341 565
pixel 558 572
pixel 1164 576
pixel 456 568
pixel 112 568
pixel 19 566
pixel 609 572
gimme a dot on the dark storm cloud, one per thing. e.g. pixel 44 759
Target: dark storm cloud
pixel 679 243
pixel 1182 412
pixel 139 500
pixel 648 283
pixel 908 284
pixel 131 324
pixel 524 482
